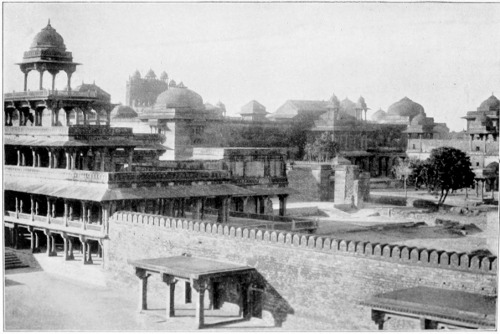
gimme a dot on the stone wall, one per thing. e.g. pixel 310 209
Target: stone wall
pixel 311 282
pixel 313 181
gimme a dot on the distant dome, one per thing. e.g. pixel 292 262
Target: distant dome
pixel 150 75
pixel 136 75
pixel 220 105
pixel 405 107
pixel 163 76
pixel 419 119
pixel 122 111
pixel 334 100
pixel 348 107
pixel 176 97
pixel 172 83
pixel 48 38
pixel 492 103
pixel 378 115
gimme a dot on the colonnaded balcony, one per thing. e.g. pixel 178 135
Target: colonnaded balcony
pixel 46 93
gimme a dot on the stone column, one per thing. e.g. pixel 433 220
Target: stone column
pixel 38 159
pixel 32 207
pixel 282 201
pixel 41 78
pixel 69 80
pixel 143 288
pixel 73 159
pixel 68 160
pixel 34 157
pixel 200 286
pixel 50 158
pixel 66 212
pixel 170 300
pixel 103 159
pixel 48 209
pixel 68 248
pixel 51 247
pixel 15 236
pixel 84 214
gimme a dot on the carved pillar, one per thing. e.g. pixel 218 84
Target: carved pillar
pixel 73 159
pixel 41 78
pixel 32 207
pixel 197 208
pixel 34 157
pixel 69 80
pixel 48 209
pixel 143 288
pixel 51 247
pixel 171 281
pixel 103 159
pixel 130 159
pixel 18 157
pixel 200 286
pixel 26 80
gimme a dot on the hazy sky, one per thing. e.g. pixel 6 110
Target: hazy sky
pixel 443 56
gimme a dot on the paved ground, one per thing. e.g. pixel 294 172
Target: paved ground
pixel 37 300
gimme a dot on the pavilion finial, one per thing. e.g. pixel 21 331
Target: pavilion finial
pixel 48 24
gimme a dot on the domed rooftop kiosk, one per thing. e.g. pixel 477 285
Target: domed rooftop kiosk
pixel 179 98
pixel 405 107
pixel 48 54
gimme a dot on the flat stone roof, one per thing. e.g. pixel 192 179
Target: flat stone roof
pixel 458 306
pixel 189 267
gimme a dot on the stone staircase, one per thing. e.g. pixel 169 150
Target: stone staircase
pixel 12 261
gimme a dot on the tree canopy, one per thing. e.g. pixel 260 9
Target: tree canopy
pixel 324 148
pixel 446 169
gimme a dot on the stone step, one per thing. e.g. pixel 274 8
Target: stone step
pixel 12 261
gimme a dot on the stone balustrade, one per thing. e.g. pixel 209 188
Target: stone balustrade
pixel 375 251
pixel 56 224
pixel 57 174
pixel 47 93
pixel 113 177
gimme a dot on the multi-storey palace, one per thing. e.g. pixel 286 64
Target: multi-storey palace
pixel 67 171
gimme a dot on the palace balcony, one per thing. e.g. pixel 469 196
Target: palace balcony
pixel 59 174
pixel 57 225
pixel 47 93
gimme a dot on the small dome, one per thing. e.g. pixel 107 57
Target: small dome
pixel 220 105
pixel 150 75
pixel 172 83
pixel 361 103
pixel 136 75
pixel 405 107
pixel 492 103
pixel 48 38
pixel 176 97
pixel 334 100
pixel 122 111
pixel 378 115
pixel 420 119
pixel 348 107
pixel 163 76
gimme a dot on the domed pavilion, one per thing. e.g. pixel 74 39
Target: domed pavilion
pixel 48 53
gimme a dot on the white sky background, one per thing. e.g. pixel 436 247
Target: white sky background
pixel 443 56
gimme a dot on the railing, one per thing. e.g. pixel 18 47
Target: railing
pixel 165 176
pixel 57 223
pixel 57 174
pixel 44 93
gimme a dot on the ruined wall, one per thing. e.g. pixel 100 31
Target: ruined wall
pixel 310 282
pixel 312 180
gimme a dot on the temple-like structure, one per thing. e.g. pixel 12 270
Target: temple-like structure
pixel 64 177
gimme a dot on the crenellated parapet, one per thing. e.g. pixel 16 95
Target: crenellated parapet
pixel 376 251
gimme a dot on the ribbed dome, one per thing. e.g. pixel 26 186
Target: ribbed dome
pixel 378 115
pixel 405 107
pixel 419 119
pixel 48 38
pixel 176 97
pixel 123 112
pixel 492 103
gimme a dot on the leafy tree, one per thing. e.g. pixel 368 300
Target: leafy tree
pixel 324 148
pixel 446 169
pixel 403 170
